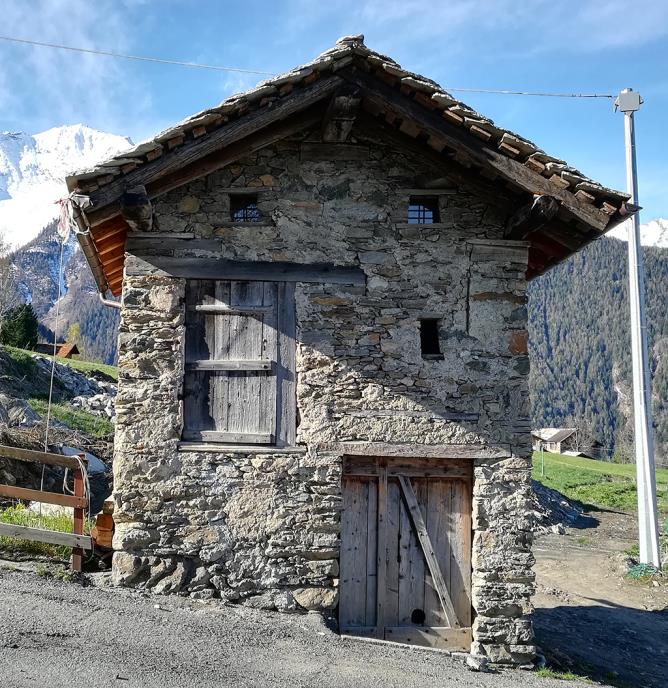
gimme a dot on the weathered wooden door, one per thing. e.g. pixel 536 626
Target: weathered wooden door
pixel 239 382
pixel 406 551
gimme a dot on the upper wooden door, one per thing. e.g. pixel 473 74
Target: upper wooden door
pixel 239 383
pixel 406 551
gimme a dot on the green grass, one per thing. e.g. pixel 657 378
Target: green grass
pixel 19 515
pixel 546 672
pixel 76 419
pixel 597 483
pixel 25 358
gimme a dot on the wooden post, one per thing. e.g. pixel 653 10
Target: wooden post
pixel 77 552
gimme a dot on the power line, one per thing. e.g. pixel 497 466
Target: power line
pixel 219 68
pixel 532 93
pixel 139 58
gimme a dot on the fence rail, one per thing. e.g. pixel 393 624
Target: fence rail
pixel 76 540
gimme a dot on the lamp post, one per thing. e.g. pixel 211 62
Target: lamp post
pixel 628 102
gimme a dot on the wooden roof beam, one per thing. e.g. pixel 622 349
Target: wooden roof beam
pixel 136 209
pixel 340 117
pixel 531 217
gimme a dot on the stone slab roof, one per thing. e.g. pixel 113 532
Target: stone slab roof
pixel 426 113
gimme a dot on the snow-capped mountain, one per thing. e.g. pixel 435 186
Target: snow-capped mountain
pixel 33 170
pixel 654 233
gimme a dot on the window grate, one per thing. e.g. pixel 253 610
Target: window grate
pixel 244 208
pixel 422 211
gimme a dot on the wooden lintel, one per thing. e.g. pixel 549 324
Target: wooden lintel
pixel 471 151
pixel 436 451
pixel 531 217
pixel 219 268
pixel 340 117
pixel 245 365
pixel 229 437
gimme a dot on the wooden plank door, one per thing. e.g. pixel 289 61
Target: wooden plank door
pixel 406 551
pixel 239 385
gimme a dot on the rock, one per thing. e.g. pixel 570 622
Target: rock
pixel 316 599
pixel 16 412
pixel 173 582
pixel 477 663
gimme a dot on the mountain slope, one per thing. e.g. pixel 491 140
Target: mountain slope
pixel 33 171
pixel 580 342
pixel 35 269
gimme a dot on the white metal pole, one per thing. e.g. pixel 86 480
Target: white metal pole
pixel 648 533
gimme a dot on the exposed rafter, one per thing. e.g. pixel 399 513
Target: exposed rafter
pixel 531 217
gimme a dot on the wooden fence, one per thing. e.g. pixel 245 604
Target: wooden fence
pixel 78 501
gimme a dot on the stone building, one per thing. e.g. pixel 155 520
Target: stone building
pixel 323 399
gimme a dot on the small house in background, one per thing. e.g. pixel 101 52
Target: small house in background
pixel 323 397
pixel 63 349
pixel 566 441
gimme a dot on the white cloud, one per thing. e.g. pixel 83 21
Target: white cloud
pixel 40 85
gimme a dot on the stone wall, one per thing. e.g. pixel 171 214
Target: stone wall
pixel 261 526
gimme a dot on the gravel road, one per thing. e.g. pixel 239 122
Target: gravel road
pixel 56 634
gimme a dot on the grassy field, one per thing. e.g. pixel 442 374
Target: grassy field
pixel 77 419
pixel 19 515
pixel 597 483
pixel 83 366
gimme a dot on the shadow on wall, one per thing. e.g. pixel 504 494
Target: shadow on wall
pixel 614 644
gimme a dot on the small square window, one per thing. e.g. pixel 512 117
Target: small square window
pixel 429 342
pixel 243 208
pixel 422 210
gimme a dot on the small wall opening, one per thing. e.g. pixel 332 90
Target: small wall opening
pixel 422 210
pixel 430 345
pixel 243 208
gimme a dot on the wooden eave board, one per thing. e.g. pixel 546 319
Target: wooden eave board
pixel 109 239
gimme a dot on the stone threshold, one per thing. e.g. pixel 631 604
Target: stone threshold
pixel 237 448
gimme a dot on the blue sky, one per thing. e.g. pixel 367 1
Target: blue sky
pixel 572 46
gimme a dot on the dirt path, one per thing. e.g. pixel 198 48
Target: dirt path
pixel 589 616
pixel 60 634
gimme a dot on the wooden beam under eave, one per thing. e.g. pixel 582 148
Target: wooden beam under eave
pixel 191 152
pixel 136 209
pixel 340 116
pixel 531 217
pixel 470 151
pixel 110 228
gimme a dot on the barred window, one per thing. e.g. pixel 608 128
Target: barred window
pixel 244 208
pixel 422 210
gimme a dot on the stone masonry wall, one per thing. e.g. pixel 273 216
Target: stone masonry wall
pixel 262 526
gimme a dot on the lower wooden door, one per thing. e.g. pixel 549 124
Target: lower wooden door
pixel 406 551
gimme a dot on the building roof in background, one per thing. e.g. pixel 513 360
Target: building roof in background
pixel 553 434
pixel 414 104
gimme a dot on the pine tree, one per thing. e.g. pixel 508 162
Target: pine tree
pixel 19 327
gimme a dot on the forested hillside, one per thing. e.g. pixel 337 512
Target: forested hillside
pixel 580 343
pixel 35 269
